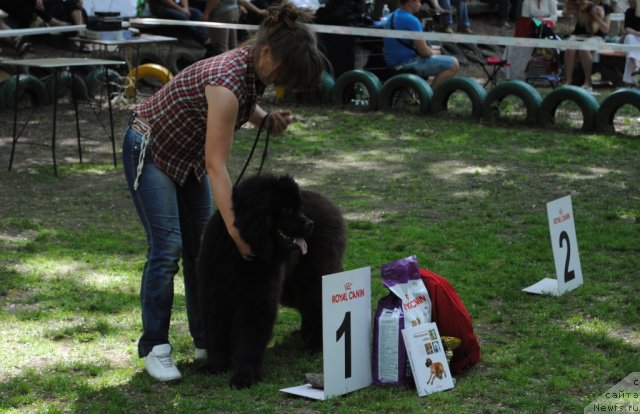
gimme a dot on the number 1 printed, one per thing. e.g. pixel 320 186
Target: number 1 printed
pixel 345 330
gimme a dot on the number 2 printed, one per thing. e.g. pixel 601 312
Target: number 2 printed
pixel 568 275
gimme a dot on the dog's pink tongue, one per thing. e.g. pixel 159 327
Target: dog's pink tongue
pixel 303 245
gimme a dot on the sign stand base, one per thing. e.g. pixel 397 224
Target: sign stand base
pixel 306 391
pixel 546 286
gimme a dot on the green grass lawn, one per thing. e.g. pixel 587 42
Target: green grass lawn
pixel 468 199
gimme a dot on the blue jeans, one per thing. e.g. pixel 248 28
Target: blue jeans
pixel 463 13
pixel 173 218
pixel 199 34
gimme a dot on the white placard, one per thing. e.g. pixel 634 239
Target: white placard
pixel 427 358
pixel 346 326
pixel 565 250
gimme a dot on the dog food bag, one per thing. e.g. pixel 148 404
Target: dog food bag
pixel 390 365
pixel 402 277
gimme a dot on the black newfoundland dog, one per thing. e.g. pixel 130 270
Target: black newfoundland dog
pixel 296 236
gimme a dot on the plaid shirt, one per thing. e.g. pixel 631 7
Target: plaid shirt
pixel 177 114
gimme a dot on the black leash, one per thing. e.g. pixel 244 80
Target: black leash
pixel 253 148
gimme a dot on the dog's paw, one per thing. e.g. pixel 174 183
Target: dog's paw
pixel 216 365
pixel 243 380
pixel 213 370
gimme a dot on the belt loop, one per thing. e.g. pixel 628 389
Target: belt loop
pixel 145 131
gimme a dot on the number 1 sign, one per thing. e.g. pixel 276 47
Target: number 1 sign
pixel 346 327
pixel 565 250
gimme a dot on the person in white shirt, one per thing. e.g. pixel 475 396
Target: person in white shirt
pixel 631 37
pixel 519 56
pixel 542 9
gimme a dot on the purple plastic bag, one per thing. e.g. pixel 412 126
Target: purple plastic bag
pixel 402 277
pixel 407 305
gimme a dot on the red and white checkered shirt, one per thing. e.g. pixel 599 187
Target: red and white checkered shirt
pixel 177 113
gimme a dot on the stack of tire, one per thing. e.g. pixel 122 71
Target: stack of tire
pixel 39 91
pixel 596 117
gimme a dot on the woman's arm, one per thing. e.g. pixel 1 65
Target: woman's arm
pixel 221 117
pixel 598 16
pixel 172 4
pixel 184 4
pixel 277 122
pixel 252 7
pixel 210 7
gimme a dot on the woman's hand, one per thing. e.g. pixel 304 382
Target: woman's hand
pixel 243 246
pixel 278 121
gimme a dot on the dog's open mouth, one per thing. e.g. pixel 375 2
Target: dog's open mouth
pixel 298 241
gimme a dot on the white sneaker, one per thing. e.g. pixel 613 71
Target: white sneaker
pixel 201 354
pixel 160 365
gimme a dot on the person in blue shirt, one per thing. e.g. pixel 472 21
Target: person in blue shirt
pixel 415 54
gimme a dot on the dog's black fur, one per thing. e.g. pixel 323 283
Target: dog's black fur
pixel 239 298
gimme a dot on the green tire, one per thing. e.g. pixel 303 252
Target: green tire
pixel 327 83
pixel 586 102
pixel 341 94
pixel 610 105
pixel 95 80
pixel 406 81
pixel 529 96
pixel 180 59
pixel 3 104
pixel 28 85
pixel 469 86
pixel 65 83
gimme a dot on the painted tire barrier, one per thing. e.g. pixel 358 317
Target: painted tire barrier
pixel 587 103
pixel 29 85
pixel 327 83
pixel 610 105
pixel 148 70
pixel 95 80
pixel 405 81
pixel 180 59
pixel 321 94
pixel 469 86
pixel 529 96
pixel 147 57
pixel 6 73
pixel 65 83
pixel 2 102
pixel 341 94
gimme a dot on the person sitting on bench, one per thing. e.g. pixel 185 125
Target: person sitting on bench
pixel 631 37
pixel 592 23
pixel 416 55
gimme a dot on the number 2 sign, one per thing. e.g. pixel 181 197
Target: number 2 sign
pixel 565 244
pixel 565 250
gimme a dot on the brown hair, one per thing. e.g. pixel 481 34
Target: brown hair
pixel 294 47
